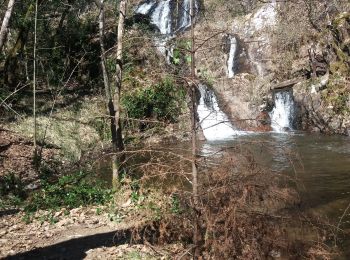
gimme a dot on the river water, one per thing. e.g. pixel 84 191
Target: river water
pixel 320 165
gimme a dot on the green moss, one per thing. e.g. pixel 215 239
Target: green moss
pixel 74 129
pixel 337 95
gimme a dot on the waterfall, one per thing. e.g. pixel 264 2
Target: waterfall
pixel 184 14
pixel 282 114
pixel 162 16
pixel 232 56
pixel 214 122
pixel 145 8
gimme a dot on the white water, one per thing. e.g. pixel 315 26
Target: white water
pixel 184 14
pixel 232 57
pixel 283 112
pixel 265 16
pixel 214 122
pixel 145 8
pixel 162 17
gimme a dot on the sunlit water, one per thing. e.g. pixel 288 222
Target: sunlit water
pixel 319 163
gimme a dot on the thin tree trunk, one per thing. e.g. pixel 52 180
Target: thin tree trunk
pixel 196 234
pixel 5 23
pixel 34 84
pixel 11 63
pixel 118 145
pixel 107 86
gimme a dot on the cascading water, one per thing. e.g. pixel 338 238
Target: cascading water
pixel 184 14
pixel 282 114
pixel 214 122
pixel 232 56
pixel 162 16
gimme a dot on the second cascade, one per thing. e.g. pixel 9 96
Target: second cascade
pixel 214 122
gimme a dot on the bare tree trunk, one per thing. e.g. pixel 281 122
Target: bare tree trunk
pixel 196 234
pixel 118 142
pixel 107 87
pixel 36 159
pixel 5 23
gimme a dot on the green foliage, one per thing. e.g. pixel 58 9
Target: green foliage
pixel 102 126
pixel 181 53
pixel 12 191
pixel 70 191
pixel 175 205
pixel 162 101
pixel 337 94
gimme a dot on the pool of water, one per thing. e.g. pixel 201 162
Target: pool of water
pixel 319 163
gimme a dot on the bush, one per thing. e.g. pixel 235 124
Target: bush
pixel 162 101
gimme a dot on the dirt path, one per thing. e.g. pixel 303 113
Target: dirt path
pixel 71 237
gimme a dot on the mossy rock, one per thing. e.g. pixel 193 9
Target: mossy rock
pixel 341 31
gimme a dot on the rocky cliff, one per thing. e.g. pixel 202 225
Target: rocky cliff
pixel 248 50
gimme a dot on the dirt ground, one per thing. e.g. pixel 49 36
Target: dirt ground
pixel 78 234
pixel 16 156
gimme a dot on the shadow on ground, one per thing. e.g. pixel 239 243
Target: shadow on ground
pixel 76 248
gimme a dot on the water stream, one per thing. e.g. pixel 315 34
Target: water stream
pixel 214 122
pixel 282 115
pixel 320 163
pixel 231 62
pixel 170 18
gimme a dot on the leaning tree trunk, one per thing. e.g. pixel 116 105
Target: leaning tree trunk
pixel 118 142
pixel 5 23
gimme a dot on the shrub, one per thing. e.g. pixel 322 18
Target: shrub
pixel 162 101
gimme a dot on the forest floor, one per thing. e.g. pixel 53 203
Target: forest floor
pixel 16 156
pixel 79 234
pixel 91 232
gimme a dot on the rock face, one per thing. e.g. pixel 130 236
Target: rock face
pixel 324 102
pixel 250 62
pixel 241 70
pixel 242 55
pixel 316 113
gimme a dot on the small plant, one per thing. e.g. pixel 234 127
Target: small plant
pixel 11 184
pixel 175 205
pixel 12 191
pixel 70 191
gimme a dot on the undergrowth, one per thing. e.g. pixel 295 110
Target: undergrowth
pixel 162 101
pixel 70 191
pixel 12 191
